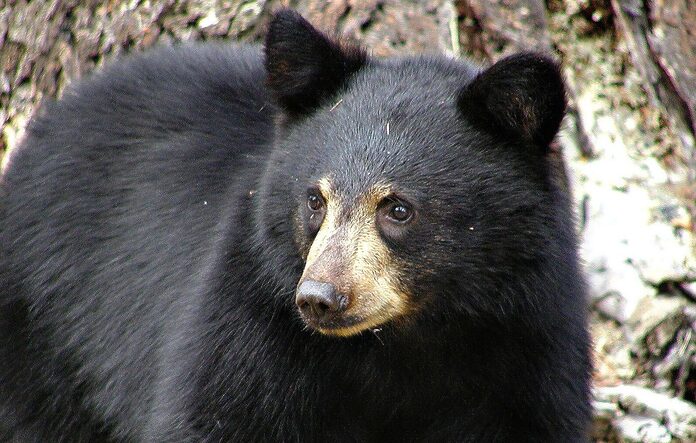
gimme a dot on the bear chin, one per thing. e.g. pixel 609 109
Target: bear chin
pixel 349 327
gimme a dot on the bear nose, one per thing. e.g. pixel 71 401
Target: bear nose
pixel 318 300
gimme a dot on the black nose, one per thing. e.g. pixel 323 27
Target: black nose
pixel 318 300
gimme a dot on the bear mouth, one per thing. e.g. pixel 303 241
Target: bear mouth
pixel 334 323
pixel 344 326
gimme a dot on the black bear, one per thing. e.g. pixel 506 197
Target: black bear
pixel 299 244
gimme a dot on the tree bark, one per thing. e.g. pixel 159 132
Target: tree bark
pixel 662 39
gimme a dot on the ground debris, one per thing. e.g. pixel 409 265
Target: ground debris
pixel 632 413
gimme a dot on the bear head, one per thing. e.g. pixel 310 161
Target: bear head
pixel 407 182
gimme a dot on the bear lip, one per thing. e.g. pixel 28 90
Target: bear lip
pixel 334 323
pixel 344 326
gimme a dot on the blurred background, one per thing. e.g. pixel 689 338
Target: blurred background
pixel 628 139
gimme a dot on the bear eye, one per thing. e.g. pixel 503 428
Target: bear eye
pixel 317 209
pixel 400 213
pixel 314 202
pixel 394 216
pixel 396 211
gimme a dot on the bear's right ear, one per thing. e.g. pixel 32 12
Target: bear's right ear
pixel 303 65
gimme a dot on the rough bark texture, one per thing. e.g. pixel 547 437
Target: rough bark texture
pixel 495 27
pixel 662 38
pixel 629 140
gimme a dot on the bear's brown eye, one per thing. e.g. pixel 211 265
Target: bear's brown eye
pixel 400 213
pixel 394 216
pixel 314 202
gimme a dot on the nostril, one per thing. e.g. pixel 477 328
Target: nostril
pixel 322 308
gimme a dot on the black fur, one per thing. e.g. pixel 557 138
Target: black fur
pixel 150 236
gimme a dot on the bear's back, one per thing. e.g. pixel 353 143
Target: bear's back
pixel 121 183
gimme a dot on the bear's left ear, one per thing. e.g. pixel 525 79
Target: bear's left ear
pixel 521 97
pixel 303 65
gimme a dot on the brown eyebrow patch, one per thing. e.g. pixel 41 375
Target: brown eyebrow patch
pixel 326 187
pixel 374 196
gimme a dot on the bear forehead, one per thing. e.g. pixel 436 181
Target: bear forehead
pixel 393 104
pixel 395 123
pixel 408 83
